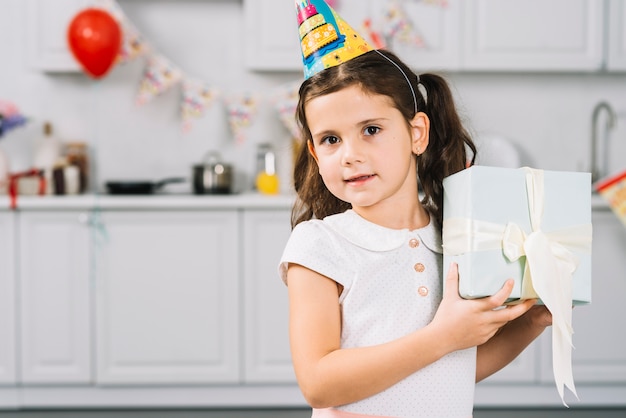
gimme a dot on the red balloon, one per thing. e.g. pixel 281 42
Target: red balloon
pixel 94 38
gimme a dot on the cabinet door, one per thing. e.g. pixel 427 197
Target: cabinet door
pixel 550 35
pixel 167 298
pixel 267 354
pixel 599 340
pixel 273 45
pixel 616 59
pixel 54 277
pixel 7 299
pixel 46 33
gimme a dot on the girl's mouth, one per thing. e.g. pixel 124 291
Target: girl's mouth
pixel 359 178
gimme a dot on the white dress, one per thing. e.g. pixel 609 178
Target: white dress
pixel 392 286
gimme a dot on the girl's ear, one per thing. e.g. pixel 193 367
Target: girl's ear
pixel 420 129
pixel 311 148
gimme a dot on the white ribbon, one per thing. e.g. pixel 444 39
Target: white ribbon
pixel 550 264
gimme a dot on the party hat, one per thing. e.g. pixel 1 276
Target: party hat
pixel 325 38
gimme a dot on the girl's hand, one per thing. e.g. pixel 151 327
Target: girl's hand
pixel 467 323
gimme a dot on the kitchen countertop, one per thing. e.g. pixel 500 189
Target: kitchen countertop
pixel 147 202
pixel 174 201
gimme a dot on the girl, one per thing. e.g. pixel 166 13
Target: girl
pixel 372 332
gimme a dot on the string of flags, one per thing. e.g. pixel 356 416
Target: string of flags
pixel 197 96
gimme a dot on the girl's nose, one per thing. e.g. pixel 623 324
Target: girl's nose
pixel 352 153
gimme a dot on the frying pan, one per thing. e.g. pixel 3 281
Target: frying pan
pixel 140 187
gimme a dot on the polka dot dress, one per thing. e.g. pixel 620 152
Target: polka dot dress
pixel 392 287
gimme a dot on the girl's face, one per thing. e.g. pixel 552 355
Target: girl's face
pixel 364 148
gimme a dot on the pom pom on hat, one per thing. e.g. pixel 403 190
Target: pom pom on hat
pixel 326 39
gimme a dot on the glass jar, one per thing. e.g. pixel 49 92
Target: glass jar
pixel 77 154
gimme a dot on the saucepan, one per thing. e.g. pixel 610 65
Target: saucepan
pixel 140 187
pixel 212 176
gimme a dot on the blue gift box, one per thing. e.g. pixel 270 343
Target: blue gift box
pixel 533 226
pixel 480 202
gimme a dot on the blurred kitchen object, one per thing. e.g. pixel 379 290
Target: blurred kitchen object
pixel 47 153
pixel 30 182
pixel 599 170
pixel 613 190
pixel 496 151
pixel 47 150
pixel 212 176
pixel 140 187
pixel 10 118
pixel 77 155
pixel 4 171
pixel 65 178
pixel 267 181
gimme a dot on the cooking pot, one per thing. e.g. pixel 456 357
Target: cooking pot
pixel 212 176
pixel 140 187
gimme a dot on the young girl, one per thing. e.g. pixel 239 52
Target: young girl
pixel 372 332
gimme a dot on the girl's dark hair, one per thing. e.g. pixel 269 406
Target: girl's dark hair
pixel 445 154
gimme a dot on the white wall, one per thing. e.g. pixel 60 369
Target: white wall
pixel 548 116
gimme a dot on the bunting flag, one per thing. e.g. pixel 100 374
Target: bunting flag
pixel 241 112
pixel 159 75
pixel 197 97
pixel 285 103
pixel 399 27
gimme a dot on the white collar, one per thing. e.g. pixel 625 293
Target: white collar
pixel 370 236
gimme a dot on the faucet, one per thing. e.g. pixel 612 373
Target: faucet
pixel 599 171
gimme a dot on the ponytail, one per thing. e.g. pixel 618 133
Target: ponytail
pixel 446 151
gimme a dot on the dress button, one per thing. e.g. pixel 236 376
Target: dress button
pixel 414 243
pixel 422 291
pixel 419 267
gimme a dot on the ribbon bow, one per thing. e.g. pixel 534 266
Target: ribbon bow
pixel 550 264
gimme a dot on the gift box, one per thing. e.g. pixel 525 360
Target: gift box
pixel 613 190
pixel 487 214
pixel 533 226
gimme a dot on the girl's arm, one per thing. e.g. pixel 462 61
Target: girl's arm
pixel 510 341
pixel 330 376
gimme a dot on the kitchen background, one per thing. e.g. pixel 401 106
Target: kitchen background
pixel 543 106
pixel 545 114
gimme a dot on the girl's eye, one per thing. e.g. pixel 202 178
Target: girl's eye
pixel 371 130
pixel 330 140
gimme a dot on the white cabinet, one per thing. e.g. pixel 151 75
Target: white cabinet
pixel 600 343
pixel 533 35
pixel 616 59
pixel 472 35
pixel 170 306
pixel 7 300
pixel 266 307
pixel 168 297
pixel 273 44
pixel 46 33
pixel 55 297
